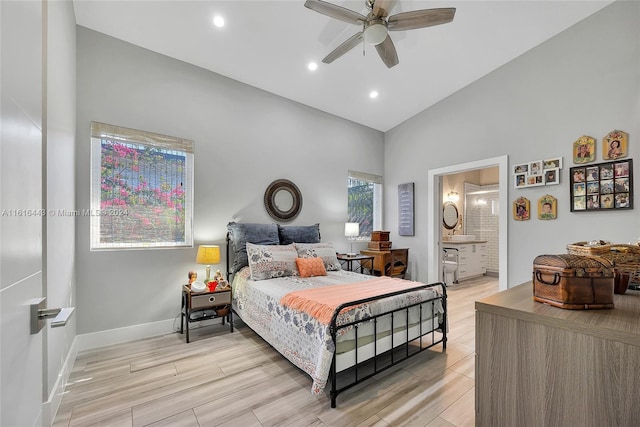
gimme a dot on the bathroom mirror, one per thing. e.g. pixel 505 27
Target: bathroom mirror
pixel 283 200
pixel 450 215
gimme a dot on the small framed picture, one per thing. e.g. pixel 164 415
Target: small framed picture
pixel 520 180
pixel 606 171
pixel 552 176
pixel 622 200
pixel 584 150
pixel 593 173
pixel 521 209
pixel 552 163
pixel 522 168
pixel 535 168
pixel 614 145
pixel 606 201
pixel 621 169
pixel 578 174
pixel 603 186
pixel 535 180
pixel 547 207
pixel 593 187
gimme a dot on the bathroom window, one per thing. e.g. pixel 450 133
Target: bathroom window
pixel 141 189
pixel 364 202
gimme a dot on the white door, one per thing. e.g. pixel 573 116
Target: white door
pixel 21 353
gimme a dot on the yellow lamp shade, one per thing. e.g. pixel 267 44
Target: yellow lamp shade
pixel 208 254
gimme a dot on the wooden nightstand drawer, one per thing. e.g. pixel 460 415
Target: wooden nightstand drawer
pixel 210 300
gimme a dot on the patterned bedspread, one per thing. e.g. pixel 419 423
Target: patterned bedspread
pixel 296 335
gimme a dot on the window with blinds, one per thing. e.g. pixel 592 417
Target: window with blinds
pixel 364 203
pixel 141 189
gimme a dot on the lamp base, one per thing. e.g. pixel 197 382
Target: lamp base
pixel 351 254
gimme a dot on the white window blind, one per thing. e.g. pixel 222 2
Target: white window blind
pixel 141 189
pixel 364 203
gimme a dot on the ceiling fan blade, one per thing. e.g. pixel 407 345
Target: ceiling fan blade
pixel 420 19
pixel 382 8
pixel 387 52
pixel 345 47
pixel 336 12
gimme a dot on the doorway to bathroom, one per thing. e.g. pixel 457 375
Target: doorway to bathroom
pixel 483 209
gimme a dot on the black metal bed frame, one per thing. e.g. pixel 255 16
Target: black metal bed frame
pixel 377 363
pixel 391 354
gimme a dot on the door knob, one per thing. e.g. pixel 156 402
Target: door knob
pixel 39 315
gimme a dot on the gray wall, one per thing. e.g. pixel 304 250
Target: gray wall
pixel 585 81
pixel 245 138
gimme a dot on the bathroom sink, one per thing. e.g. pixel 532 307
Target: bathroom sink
pixel 463 237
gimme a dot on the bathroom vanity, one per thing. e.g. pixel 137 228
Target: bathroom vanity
pixel 472 257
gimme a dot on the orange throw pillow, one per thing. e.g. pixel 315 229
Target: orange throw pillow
pixel 309 267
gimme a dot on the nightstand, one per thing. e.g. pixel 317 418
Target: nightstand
pixel 364 262
pixel 198 306
pixel 391 262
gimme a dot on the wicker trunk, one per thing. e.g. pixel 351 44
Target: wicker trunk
pixel 573 281
pixel 625 258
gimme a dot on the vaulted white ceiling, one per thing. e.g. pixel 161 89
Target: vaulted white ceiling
pixel 268 44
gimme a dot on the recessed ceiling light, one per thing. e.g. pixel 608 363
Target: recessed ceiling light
pixel 218 21
pixel 373 94
pixel 312 66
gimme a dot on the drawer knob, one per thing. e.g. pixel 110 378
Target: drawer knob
pixel 212 299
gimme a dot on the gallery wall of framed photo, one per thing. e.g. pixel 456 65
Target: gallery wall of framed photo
pixel 537 173
pixel 593 186
pixel 602 186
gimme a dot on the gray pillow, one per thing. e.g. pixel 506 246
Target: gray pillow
pixel 299 234
pixel 240 234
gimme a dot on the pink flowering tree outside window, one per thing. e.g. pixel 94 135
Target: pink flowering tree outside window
pixel 143 196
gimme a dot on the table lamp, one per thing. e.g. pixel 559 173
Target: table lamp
pixel 208 254
pixel 351 230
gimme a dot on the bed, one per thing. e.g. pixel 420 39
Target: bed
pixel 338 340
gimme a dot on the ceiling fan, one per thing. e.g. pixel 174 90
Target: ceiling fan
pixel 377 24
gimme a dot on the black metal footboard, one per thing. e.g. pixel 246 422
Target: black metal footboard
pixel 341 381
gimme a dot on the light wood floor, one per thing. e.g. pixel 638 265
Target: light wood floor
pixel 224 379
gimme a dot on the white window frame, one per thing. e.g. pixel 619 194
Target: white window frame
pixel 138 140
pixel 377 199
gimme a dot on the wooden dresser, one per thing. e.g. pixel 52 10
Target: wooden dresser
pixel 546 366
pixel 392 262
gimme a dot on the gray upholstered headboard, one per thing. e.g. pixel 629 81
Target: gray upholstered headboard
pixel 238 234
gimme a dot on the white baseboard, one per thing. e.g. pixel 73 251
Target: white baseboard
pixel 120 335
pixel 51 406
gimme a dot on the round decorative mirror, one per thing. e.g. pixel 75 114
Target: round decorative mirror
pixel 450 215
pixel 283 200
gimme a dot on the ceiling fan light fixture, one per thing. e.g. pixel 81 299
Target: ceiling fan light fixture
pixel 375 32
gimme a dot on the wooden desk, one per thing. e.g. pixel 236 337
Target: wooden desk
pixel 389 263
pixel 551 366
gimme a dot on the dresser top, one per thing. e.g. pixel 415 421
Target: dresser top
pixel 621 323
